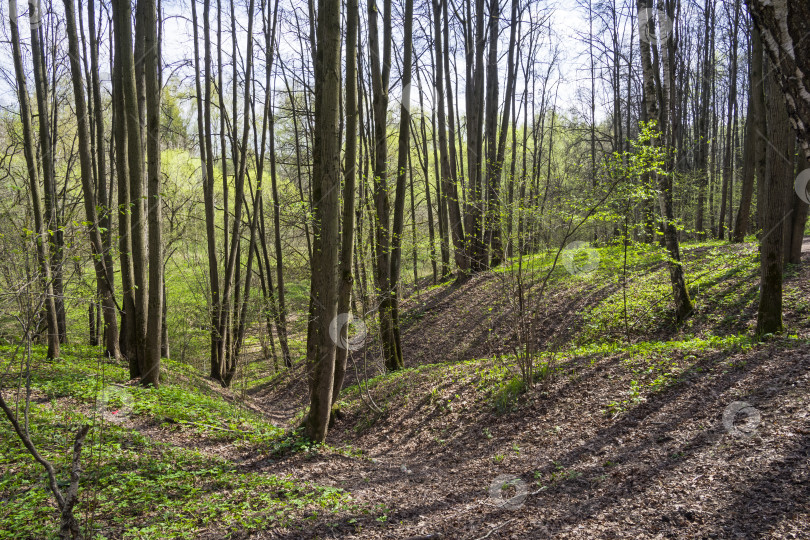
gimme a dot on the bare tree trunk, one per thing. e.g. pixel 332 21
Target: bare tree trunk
pixel 473 215
pixel 797 220
pixel 107 291
pixel 424 160
pixel 349 175
pixel 783 26
pixel 281 313
pixel 207 157
pixel 403 166
pixel 448 184
pixel 130 120
pixel 779 172
pixel 326 181
pixel 656 108
pixel 702 153
pixel 103 273
pixel 728 155
pixel 754 143
pixel 42 240
pixel 497 148
pixel 380 75
pixel 129 340
pixel 46 147
pixel 154 332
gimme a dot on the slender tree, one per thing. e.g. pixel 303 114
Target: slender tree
pixel 326 182
pixel 150 374
pixel 346 279
pixel 42 236
pixel 657 98
pixel 103 272
pixel 779 172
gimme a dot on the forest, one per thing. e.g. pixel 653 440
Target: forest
pixel 404 269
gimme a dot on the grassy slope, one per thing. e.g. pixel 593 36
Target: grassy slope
pixel 615 430
pixel 158 464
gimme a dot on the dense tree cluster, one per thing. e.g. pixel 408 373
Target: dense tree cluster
pixel 245 145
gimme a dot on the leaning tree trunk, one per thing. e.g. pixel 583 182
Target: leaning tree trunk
pixel 656 96
pixel 103 272
pixel 46 145
pixel 33 177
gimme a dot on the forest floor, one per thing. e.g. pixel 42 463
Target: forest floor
pixel 626 430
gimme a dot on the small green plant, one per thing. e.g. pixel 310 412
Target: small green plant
pixel 498 458
pixel 506 396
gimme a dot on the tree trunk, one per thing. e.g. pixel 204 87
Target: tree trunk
pixel 154 332
pixel 107 290
pixel 784 26
pixel 779 170
pixel 474 211
pixel 497 148
pixel 350 175
pixel 42 239
pixel 728 155
pixel 380 74
pixel 46 147
pixel 656 109
pixel 702 151
pixel 103 273
pixel 130 120
pixel 207 157
pixel 326 182
pixel 128 340
pixel 449 192
pixel 403 165
pixel 797 220
pixel 424 160
pixel 754 160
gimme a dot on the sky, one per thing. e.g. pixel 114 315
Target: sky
pixel 567 19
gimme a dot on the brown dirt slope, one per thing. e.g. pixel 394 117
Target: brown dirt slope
pixel 616 445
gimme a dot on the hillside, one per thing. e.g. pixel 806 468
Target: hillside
pixel 615 439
